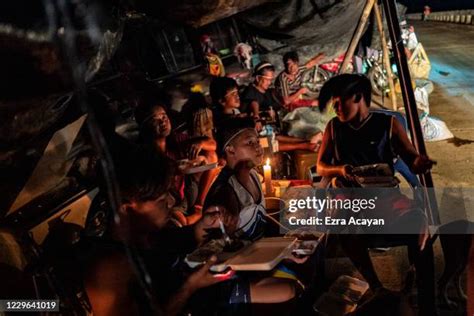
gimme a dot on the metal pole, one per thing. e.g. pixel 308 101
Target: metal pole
pixel 237 30
pixel 170 50
pixel 410 105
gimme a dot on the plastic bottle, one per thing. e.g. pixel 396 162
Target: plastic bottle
pixel 271 112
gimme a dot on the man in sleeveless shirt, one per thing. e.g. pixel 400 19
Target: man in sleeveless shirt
pixel 237 188
pixel 238 194
pixel 357 137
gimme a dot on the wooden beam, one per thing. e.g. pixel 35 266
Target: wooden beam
pixel 357 35
pixel 386 57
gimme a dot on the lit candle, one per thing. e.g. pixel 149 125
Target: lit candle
pixel 267 175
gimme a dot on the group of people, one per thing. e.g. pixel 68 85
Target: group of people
pixel 166 212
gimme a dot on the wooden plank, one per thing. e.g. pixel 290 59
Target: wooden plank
pixel 357 35
pixel 386 57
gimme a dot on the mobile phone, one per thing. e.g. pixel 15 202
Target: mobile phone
pixel 306 247
pixel 226 275
pixel 303 252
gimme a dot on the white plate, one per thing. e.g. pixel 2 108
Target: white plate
pixel 203 168
pixel 262 255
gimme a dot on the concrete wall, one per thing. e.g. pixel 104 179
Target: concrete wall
pixel 458 16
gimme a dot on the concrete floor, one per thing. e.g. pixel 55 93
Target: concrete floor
pixel 450 48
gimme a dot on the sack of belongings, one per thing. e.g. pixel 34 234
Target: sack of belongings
pixel 305 122
pixel 419 63
pixel 434 129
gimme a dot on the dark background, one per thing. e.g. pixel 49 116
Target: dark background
pixel 438 5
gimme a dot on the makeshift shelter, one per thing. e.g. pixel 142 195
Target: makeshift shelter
pixel 58 52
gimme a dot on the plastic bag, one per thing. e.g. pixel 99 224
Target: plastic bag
pixel 243 52
pixel 305 122
pixel 421 98
pixel 419 63
pixel 434 129
pixel 215 67
pixel 203 123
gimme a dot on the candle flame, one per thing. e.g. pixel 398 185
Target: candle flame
pixel 268 162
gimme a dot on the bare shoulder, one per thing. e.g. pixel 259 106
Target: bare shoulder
pixel 108 283
pixel 109 270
